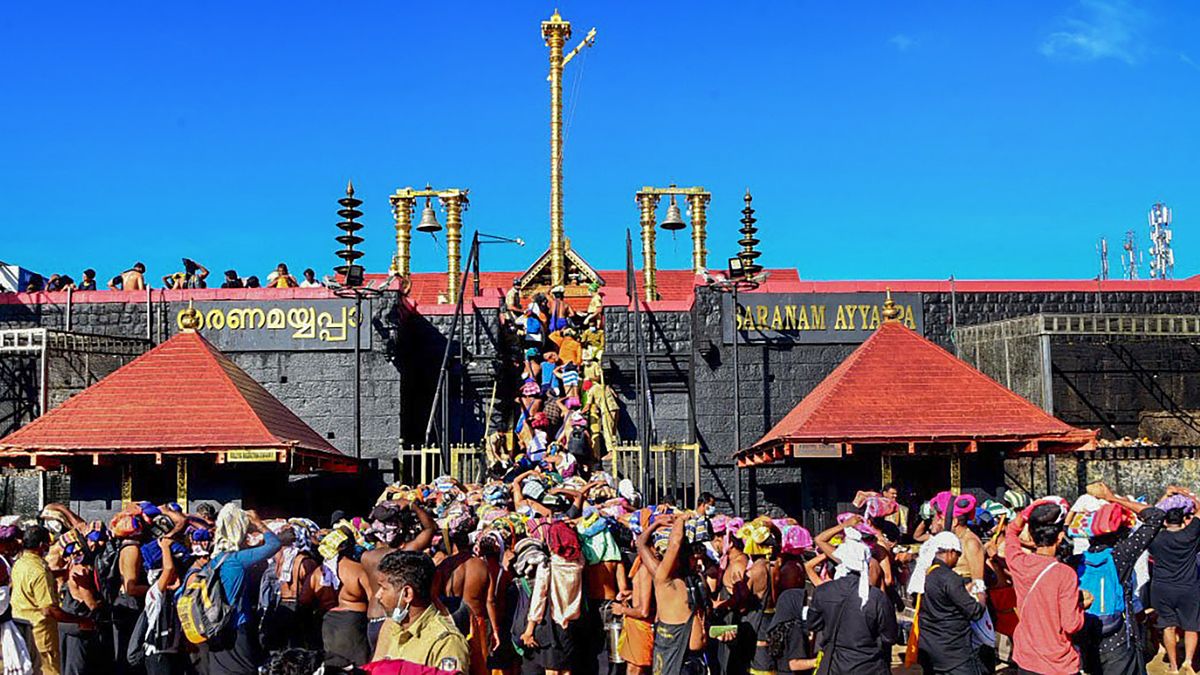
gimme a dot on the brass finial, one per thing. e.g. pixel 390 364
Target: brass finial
pixel 189 319
pixel 350 188
pixel 556 16
pixel 891 311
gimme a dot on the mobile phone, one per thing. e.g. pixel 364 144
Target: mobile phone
pixel 716 632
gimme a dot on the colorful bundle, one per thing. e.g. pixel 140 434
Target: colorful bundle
pixel 1107 519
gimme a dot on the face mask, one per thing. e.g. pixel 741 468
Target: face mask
pixel 400 614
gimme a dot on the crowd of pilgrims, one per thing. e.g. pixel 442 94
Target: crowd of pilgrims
pixel 534 572
pixel 550 564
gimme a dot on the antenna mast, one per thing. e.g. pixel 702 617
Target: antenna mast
pixel 1162 258
pixel 1102 248
pixel 1130 258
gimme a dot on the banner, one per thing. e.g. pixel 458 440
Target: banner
pixel 280 325
pixel 814 318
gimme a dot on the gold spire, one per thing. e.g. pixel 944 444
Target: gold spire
pixel 189 319
pixel 350 188
pixel 891 311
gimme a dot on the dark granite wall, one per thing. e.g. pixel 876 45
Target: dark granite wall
pixel 690 371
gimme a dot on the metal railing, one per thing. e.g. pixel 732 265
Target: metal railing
pixel 674 468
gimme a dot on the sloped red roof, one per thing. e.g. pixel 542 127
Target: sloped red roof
pixel 898 387
pixel 183 395
pixel 676 288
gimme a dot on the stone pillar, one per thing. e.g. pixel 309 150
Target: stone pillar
pixel 402 211
pixel 649 203
pixel 453 205
pixel 699 216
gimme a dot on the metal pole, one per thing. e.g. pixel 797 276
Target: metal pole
pixel 149 318
pixel 358 376
pixel 70 305
pixel 439 392
pixel 737 410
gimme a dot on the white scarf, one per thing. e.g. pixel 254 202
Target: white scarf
pixel 855 557
pixel 13 649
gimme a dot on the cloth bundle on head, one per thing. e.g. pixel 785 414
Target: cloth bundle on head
pixel 1177 501
pixel 597 540
pixel 529 555
pixel 530 388
pixel 942 541
pixel 1063 507
pixel 855 557
pixel 642 518
pixel 699 530
pixel 863 527
pixel 10 528
pixel 496 494
pixel 948 504
pixel 997 509
pixel 660 540
pixel 625 489
pixel 1105 519
pixel 795 539
pixel 878 506
pixel 230 530
pixel 491 538
pixel 756 537
pixel 1016 499
pixel 459 521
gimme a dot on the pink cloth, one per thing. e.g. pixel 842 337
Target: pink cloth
pixel 1049 615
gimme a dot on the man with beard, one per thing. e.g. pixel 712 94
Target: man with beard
pixel 392 523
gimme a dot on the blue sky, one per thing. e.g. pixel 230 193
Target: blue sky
pixel 881 140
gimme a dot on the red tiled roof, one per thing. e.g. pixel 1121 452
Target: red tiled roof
pixel 898 387
pixel 183 395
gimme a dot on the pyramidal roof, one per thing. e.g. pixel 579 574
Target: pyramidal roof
pixel 183 395
pixel 898 387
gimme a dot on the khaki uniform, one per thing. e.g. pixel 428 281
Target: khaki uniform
pixel 432 640
pixel 33 589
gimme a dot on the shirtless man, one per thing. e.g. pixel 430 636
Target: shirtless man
pixel 344 628
pixel 463 586
pixel 387 521
pixel 730 597
pixel 679 632
pixel 292 623
pixel 637 647
pixel 604 580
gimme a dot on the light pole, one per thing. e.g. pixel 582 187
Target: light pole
pixel 743 274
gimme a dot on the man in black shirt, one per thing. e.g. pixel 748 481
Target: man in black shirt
pixel 947 610
pixel 855 620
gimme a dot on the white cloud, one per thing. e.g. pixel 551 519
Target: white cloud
pixel 1101 29
pixel 902 42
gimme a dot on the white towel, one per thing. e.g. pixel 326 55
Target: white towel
pixel 13 650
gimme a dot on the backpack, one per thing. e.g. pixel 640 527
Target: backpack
pixel 1098 576
pixel 204 611
pixel 577 443
pixel 107 569
pixel 563 540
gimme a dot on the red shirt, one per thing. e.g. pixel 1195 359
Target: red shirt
pixel 1049 615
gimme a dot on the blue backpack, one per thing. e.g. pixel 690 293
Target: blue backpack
pixel 1098 576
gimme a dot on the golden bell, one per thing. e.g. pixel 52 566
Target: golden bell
pixel 674 219
pixel 429 221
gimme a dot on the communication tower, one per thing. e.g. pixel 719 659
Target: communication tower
pixel 1102 249
pixel 1162 258
pixel 1130 259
